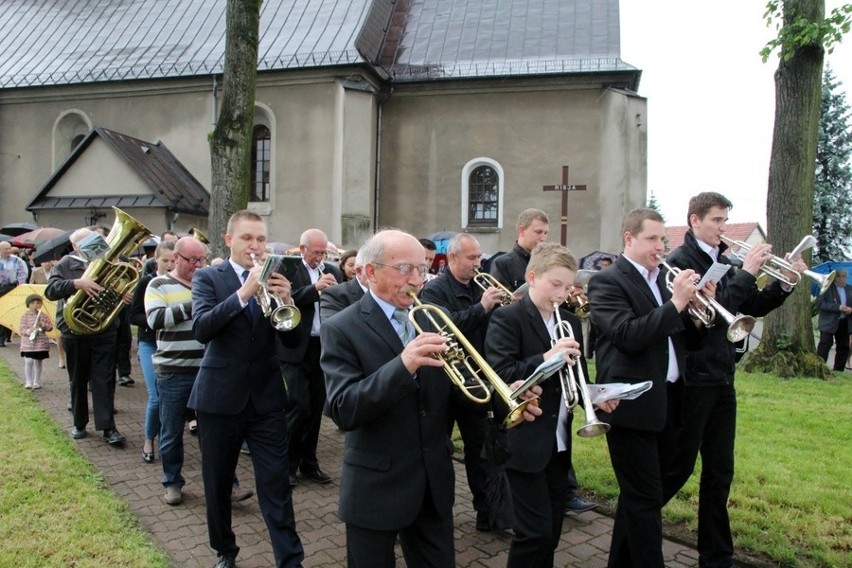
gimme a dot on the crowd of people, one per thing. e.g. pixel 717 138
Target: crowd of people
pixel 370 352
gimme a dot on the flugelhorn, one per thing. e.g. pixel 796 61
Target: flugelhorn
pixel 461 359
pixel 581 305
pixel 199 236
pixel 739 326
pixel 283 317
pixel 573 382
pixel 776 265
pixel 485 281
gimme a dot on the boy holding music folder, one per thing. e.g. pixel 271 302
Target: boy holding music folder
pixel 520 338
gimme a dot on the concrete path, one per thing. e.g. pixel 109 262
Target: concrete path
pixel 182 530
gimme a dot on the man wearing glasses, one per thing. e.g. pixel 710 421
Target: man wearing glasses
pixel 305 381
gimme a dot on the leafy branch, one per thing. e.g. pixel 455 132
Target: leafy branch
pixel 800 31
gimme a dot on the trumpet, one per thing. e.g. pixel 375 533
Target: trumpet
pixel 283 317
pixel 581 305
pixel 738 326
pixel 573 381
pixel 461 359
pixel 36 329
pixel 199 236
pixel 775 266
pixel 485 281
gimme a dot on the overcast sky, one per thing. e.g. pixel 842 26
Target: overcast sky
pixel 711 101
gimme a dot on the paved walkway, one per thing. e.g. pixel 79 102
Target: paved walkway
pixel 182 530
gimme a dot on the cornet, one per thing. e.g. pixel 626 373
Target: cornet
pixel 485 281
pixel 283 317
pixel 573 382
pixel 738 326
pixel 461 359
pixel 581 305
pixel 776 265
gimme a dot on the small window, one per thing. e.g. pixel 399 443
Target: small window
pixel 261 157
pixel 483 197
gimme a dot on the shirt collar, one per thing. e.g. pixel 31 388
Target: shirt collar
pixel 387 308
pixel 650 276
pixel 712 251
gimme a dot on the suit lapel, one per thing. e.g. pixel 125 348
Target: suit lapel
pixel 379 323
pixel 536 322
pixel 232 284
pixel 638 280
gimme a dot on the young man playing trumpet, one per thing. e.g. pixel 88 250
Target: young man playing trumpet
pixel 521 337
pixel 709 399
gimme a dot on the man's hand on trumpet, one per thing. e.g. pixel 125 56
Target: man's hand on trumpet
pixel 491 298
pixel 797 265
pixel 532 410
pixel 568 347
pixel 278 285
pixel 251 286
pixel 423 350
pixel 756 258
pixel 326 280
pixel 683 288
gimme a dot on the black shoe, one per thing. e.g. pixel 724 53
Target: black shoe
pixel 148 457
pixel 294 481
pixel 78 433
pixel 125 381
pixel 316 475
pixel 577 504
pixel 113 437
pixel 70 405
pixel 226 562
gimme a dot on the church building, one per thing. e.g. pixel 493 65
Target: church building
pixel 425 115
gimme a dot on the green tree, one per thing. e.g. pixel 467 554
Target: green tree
pixel 833 186
pixel 230 142
pixel 787 346
pixel 655 205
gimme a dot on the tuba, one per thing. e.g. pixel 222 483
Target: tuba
pixel 573 382
pixel 461 359
pixel 89 316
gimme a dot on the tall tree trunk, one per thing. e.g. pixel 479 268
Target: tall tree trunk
pixel 798 82
pixel 230 143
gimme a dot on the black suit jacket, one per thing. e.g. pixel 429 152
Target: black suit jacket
pixel 335 298
pixel 515 346
pixel 510 269
pixel 632 344
pixel 397 449
pixel 305 296
pixel 242 357
pixel 463 305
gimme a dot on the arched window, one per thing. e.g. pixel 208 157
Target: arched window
pixel 482 194
pixel 261 159
pixel 69 129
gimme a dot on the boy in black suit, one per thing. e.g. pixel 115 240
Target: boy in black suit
pixel 521 337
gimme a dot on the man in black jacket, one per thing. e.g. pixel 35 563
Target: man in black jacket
pixel 709 400
pixel 511 268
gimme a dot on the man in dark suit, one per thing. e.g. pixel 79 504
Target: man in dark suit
pixel 642 328
pixel 387 393
pixel 835 309
pixel 709 397
pixel 335 298
pixel 470 310
pixel 305 381
pixel 510 269
pixel 239 392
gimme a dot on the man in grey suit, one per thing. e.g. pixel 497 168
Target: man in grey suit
pixel 834 313
pixel 387 392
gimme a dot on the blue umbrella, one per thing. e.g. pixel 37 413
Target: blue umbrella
pixel 441 240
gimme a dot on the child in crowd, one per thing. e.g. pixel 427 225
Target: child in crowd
pixel 35 345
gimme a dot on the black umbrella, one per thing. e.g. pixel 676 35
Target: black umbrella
pixel 15 229
pixel 54 249
pixel 593 261
pixel 498 495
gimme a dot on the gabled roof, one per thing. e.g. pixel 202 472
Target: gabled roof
pixel 734 231
pixel 172 186
pixel 60 42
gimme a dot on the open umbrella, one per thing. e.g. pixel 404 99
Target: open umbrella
pixel 593 261
pixel 12 307
pixel 54 249
pixel 6 238
pixel 36 237
pixel 441 240
pixel 15 229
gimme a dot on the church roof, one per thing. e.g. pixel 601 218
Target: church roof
pixel 171 184
pixel 59 42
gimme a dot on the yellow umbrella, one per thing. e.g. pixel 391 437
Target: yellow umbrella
pixel 12 307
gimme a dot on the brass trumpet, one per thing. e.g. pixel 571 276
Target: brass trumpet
pixel 581 305
pixel 776 265
pixel 461 359
pixel 283 317
pixel 485 281
pixel 199 236
pixel 738 326
pixel 573 381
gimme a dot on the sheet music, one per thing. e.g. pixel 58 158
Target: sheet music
pixel 714 273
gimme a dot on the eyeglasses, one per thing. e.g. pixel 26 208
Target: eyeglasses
pixel 405 268
pixel 194 259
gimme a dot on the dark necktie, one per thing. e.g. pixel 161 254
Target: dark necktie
pixel 252 303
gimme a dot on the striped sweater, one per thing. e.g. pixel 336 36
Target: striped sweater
pixel 168 309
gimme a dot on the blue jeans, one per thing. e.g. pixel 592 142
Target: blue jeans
pixel 174 389
pixel 152 408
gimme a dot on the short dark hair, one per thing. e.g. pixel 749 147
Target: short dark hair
pixel 702 203
pixel 634 220
pixel 428 244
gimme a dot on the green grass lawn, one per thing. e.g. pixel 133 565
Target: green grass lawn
pixel 792 494
pixel 54 508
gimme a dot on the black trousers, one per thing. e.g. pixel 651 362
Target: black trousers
pixel 472 421
pixel 841 340
pixel 124 343
pixel 220 439
pixel 306 394
pixel 91 360
pixel 709 427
